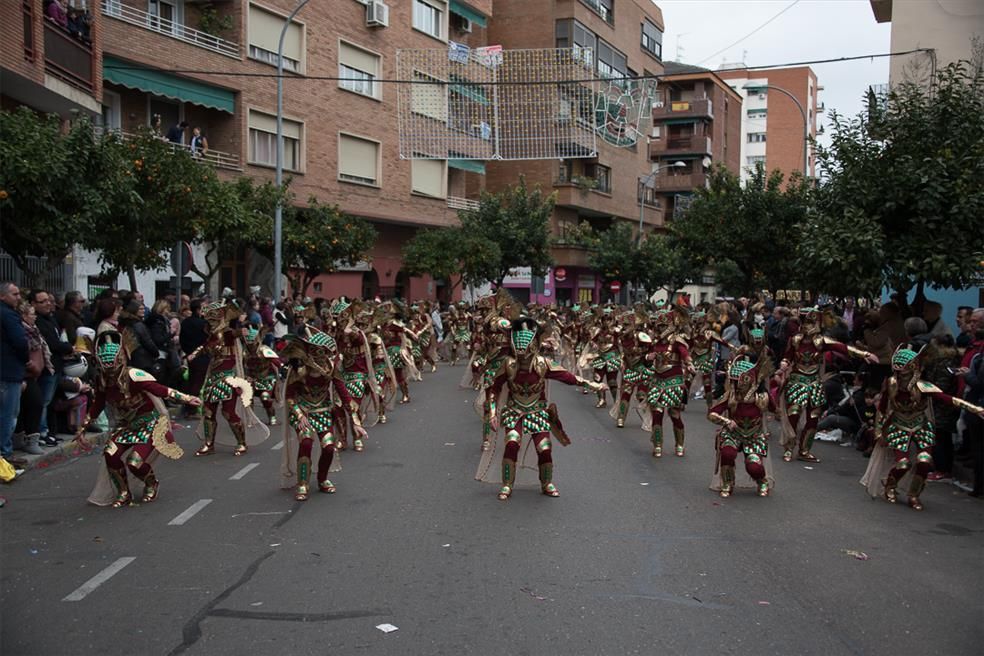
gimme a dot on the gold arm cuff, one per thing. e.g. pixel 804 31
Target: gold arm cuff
pixel 717 419
pixel 965 405
pixel 858 353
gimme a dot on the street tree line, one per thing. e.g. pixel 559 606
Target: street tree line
pixel 132 199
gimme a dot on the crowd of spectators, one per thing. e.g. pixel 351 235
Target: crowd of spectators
pixel 73 17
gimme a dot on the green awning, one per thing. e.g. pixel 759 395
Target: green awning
pixel 159 83
pixel 470 165
pixel 677 121
pixel 462 9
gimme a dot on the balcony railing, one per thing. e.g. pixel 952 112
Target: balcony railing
pixel 456 203
pixel 698 108
pixel 217 158
pixel 140 18
pixel 694 143
pixel 67 58
pixel 680 182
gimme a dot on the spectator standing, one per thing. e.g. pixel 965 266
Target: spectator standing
pixel 69 317
pixel 193 335
pixel 145 354
pixel 942 360
pixel 964 334
pixel 13 359
pixel 58 12
pixel 47 325
pixel 176 134
pixel 974 379
pixel 199 144
pixel 38 364
pixel 159 326
pixel 107 317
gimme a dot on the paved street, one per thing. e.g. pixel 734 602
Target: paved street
pixel 636 557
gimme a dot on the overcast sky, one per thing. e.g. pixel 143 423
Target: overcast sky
pixel 811 29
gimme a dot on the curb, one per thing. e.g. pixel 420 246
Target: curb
pixel 62 452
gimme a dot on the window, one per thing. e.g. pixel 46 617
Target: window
pixel 430 100
pixel 360 67
pixel 571 34
pixel 428 177
pixel 358 159
pixel 611 62
pixel 755 160
pixel 263 141
pixel 652 39
pixel 758 113
pixel 756 137
pixel 264 38
pixel 602 175
pixel 428 18
pixel 604 8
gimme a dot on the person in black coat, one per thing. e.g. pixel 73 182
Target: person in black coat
pixel 145 354
pixel 194 334
pixel 47 325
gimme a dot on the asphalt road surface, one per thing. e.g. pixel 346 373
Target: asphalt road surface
pixel 637 556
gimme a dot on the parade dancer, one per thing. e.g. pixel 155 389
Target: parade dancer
pixel 801 376
pixel 355 361
pixel 143 427
pixel 225 384
pixel 313 382
pixel 396 337
pixel 262 366
pixel 741 414
pixel 495 349
pixel 424 348
pixel 670 358
pixel 522 379
pixel 607 359
pixel 904 430
pixel 701 343
pixel 634 344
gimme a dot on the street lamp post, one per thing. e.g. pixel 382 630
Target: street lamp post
pixel 278 215
pixel 806 122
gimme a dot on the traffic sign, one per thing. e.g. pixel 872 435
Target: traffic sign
pixel 615 286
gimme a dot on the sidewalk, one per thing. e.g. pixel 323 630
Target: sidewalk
pixel 54 454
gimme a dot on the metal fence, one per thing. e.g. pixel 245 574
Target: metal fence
pixel 53 281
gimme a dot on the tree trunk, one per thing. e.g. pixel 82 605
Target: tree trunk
pixel 131 274
pixel 919 300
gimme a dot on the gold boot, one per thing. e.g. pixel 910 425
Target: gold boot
pixel 122 485
pixel 623 409
pixel 890 495
pixel 915 489
pixel 546 481
pixel 303 475
pixel 678 439
pixel 239 430
pixel 151 486
pixel 763 488
pixel 727 480
pixel 657 439
pixel 601 400
pixel 508 478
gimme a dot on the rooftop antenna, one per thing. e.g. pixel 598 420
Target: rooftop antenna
pixel 679 48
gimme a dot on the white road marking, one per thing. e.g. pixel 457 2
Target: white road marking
pixel 99 579
pixel 191 512
pixel 245 470
pixel 278 445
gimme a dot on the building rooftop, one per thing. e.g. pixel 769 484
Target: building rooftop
pixel 676 68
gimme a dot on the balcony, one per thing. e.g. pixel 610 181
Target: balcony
pixel 681 109
pixel 68 59
pixel 217 158
pixel 116 9
pixel 672 183
pixel 693 144
pixel 456 203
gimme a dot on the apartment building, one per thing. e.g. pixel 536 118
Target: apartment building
pixel 949 27
pixel 625 39
pixel 779 108
pixel 696 124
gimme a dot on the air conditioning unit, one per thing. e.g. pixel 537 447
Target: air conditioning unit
pixel 377 14
pixel 460 23
pixel 761 96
